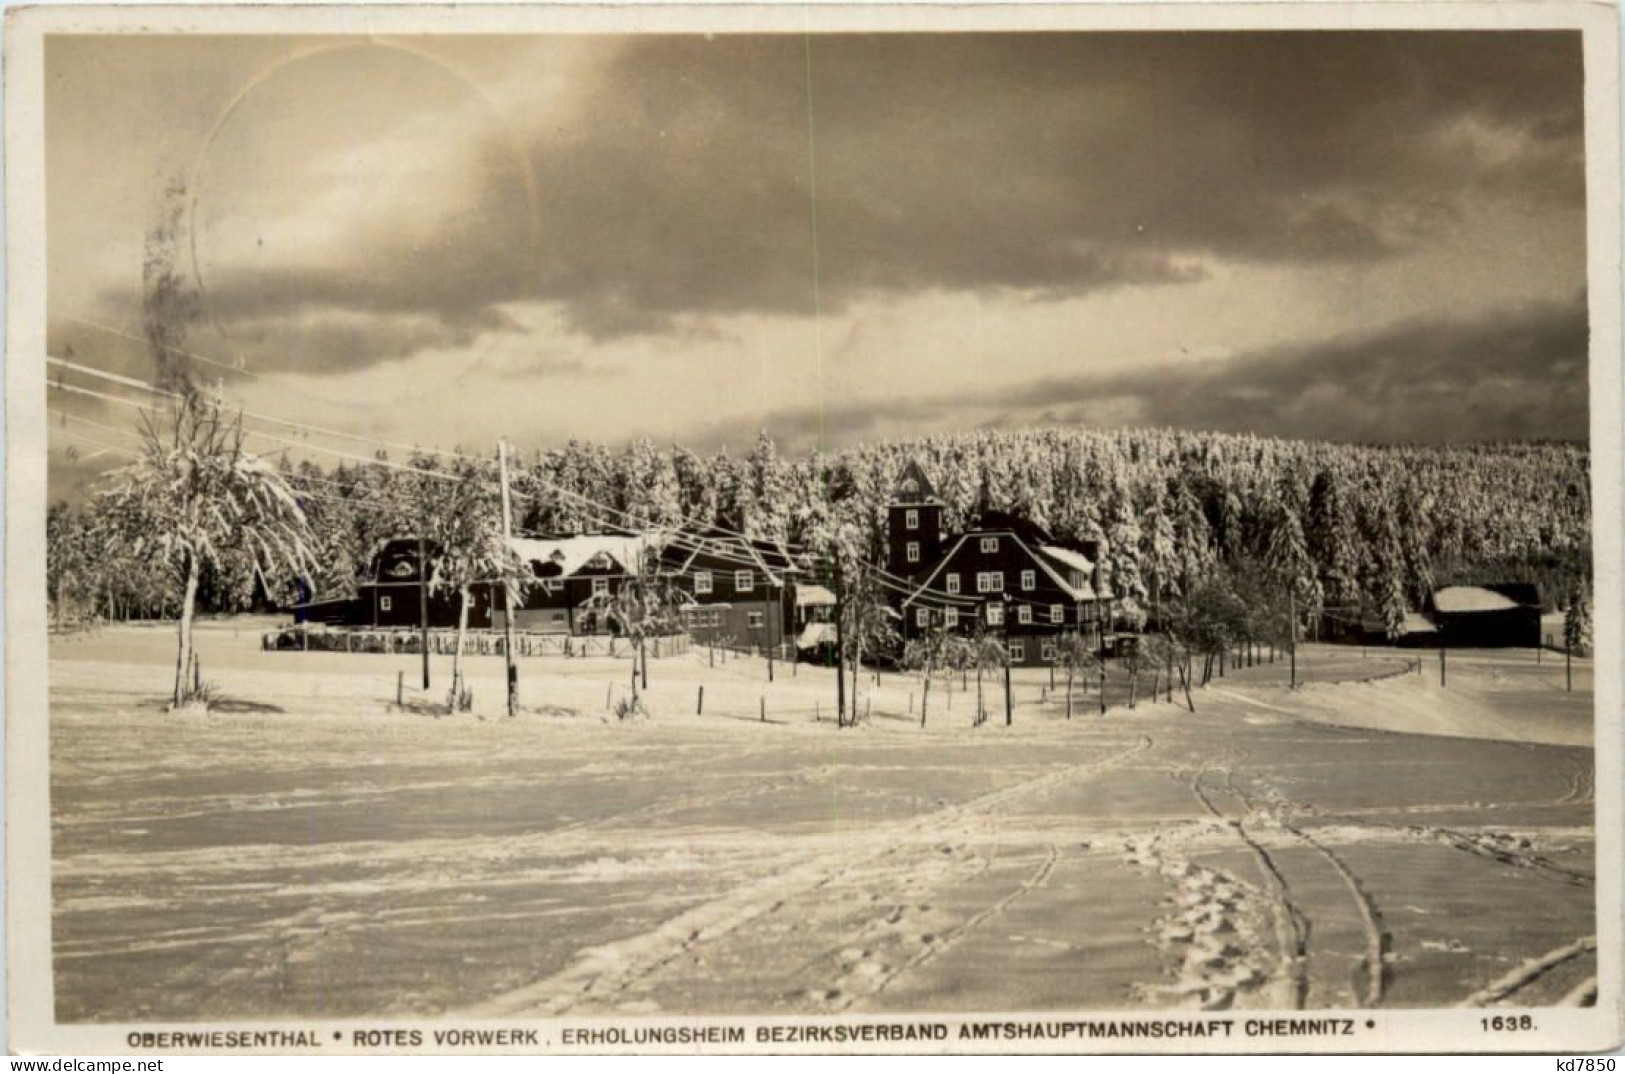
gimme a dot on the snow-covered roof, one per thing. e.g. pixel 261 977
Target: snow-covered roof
pixel 1417 623
pixel 817 634
pixel 813 596
pixel 1471 598
pixel 1076 561
pixel 574 553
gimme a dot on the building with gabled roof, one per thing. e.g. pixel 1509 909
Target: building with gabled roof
pixel 1003 574
pixel 737 591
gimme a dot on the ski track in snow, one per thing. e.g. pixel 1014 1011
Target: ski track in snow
pixel 599 975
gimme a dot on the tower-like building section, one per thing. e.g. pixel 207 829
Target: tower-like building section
pixel 913 525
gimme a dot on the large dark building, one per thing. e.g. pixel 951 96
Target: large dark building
pixel 1504 615
pixel 390 595
pixel 1004 575
pixel 736 591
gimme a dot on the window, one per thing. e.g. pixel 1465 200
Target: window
pixel 990 544
pixel 1077 579
pixel 990 581
pixel 744 581
pixel 1047 651
pixel 911 520
pixel 702 582
pixel 600 587
pixel 553 585
pixel 1024 614
pixel 995 614
pixel 1029 579
pixel 754 619
pixel 953 582
pixel 914 551
pixel 1018 651
pixel 922 617
pixel 385 603
pixel 1056 613
pixel 950 618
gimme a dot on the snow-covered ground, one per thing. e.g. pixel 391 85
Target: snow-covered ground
pixel 310 848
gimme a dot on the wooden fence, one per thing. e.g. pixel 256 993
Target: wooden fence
pixel 306 638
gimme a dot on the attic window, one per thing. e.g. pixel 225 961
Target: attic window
pixel 990 544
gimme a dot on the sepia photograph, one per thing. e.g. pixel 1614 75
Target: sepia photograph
pixel 784 533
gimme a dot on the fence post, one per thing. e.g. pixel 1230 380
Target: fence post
pixel 763 702
pixel 699 703
pixel 400 688
pixel 609 694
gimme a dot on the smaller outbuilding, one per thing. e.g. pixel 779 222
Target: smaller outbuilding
pixel 1503 615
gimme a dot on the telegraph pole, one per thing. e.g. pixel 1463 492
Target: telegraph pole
pixel 840 649
pixel 423 604
pixel 507 590
pixel 1292 625
pixel 1006 619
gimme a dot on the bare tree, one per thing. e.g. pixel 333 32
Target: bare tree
pixel 470 549
pixel 195 500
pixel 646 606
pixel 1078 658
pixel 927 653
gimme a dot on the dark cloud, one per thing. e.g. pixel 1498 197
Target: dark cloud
pixel 1047 164
pixel 1518 374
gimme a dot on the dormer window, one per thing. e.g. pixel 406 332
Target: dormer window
pixel 911 519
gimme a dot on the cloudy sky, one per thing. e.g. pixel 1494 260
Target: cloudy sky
pixel 1363 236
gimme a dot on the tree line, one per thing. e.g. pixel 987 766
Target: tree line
pixel 1349 530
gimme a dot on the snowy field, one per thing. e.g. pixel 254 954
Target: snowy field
pixel 312 849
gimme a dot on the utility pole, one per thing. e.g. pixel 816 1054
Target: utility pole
pixel 1292 626
pixel 423 603
pixel 507 590
pixel 840 649
pixel 1005 619
pixel 778 610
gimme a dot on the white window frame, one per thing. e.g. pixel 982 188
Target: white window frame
pixel 1057 614
pixel 995 613
pixel 1046 650
pixel 1024 614
pixel 922 617
pixel 1029 579
pixel 911 519
pixel 989 544
pixel 913 551
pixel 755 620
pixel 744 581
pixel 950 617
pixel 990 582
pixel 953 581
pixel 702 581
pixel 386 604
pixel 1015 650
pixel 600 586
